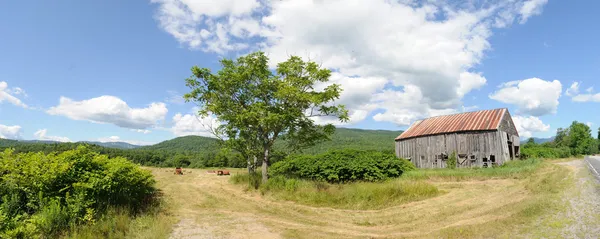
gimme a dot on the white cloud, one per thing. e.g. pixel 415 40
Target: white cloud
pixel 42 135
pixel 193 23
pixel 576 96
pixel 405 107
pixel 189 124
pixel 587 98
pixel 143 131
pixel 110 110
pixel 533 96
pixel 531 8
pixel 112 139
pixel 7 94
pixel 10 132
pixel 527 126
pixel 573 89
pixel 589 124
pixel 380 45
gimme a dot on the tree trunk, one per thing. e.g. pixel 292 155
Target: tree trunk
pixel 255 162
pixel 250 166
pixel 265 165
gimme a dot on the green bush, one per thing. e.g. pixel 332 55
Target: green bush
pixel 545 152
pixel 41 195
pixel 452 161
pixel 341 166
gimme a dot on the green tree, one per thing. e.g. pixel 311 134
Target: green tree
pixel 256 106
pixel 580 139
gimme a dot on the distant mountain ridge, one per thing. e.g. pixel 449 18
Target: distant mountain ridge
pixel 363 139
pixel 540 140
pixel 116 145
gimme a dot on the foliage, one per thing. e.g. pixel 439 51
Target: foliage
pixel 199 152
pixel 451 163
pixel 256 106
pixel 578 137
pixel 545 151
pixel 43 194
pixel 576 140
pixel 343 166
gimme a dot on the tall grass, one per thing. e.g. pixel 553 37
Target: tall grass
pixel 360 195
pixel 118 223
pixel 511 169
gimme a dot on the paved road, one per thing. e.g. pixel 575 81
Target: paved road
pixel 593 163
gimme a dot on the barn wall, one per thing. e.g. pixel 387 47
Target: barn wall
pixel 473 149
pixel 507 125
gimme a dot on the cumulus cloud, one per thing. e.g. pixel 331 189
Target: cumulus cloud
pixel 110 110
pixel 527 126
pixel 10 132
pixel 384 46
pixel 42 134
pixel 8 95
pixel 576 96
pixel 532 96
pixel 190 124
pixel 531 8
pixel 112 139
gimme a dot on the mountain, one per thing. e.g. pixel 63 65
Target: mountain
pixel 116 145
pixel 363 139
pixel 185 144
pixel 343 138
pixel 539 140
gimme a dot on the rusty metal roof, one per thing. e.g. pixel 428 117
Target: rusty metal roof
pixel 482 120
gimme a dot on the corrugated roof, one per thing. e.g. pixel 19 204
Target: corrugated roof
pixel 471 121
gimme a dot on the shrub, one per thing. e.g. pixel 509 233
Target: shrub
pixel 341 166
pixel 44 194
pixel 545 152
pixel 452 161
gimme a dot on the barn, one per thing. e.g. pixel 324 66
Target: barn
pixel 479 139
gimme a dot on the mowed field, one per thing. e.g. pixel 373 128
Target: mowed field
pixel 537 205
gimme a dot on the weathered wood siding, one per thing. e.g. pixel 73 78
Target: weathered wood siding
pixel 473 149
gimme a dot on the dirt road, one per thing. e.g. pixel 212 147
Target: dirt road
pixel 208 206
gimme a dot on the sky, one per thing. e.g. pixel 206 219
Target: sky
pixel 115 70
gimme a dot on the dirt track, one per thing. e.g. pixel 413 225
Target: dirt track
pixel 208 206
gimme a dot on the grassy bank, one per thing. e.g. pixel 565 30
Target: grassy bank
pixel 412 186
pixel 511 169
pixel 361 195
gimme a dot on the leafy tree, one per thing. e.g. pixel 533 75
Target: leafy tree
pixel 257 106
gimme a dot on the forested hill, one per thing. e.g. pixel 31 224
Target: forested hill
pixel 198 151
pixel 343 138
pixel 380 140
pixel 185 144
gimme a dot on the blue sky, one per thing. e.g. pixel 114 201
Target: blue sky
pixel 115 70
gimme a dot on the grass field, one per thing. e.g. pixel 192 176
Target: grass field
pixel 505 203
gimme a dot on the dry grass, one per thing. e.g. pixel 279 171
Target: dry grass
pixel 478 207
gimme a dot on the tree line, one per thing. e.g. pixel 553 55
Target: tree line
pixel 576 140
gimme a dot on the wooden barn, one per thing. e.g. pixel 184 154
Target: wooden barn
pixel 479 139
